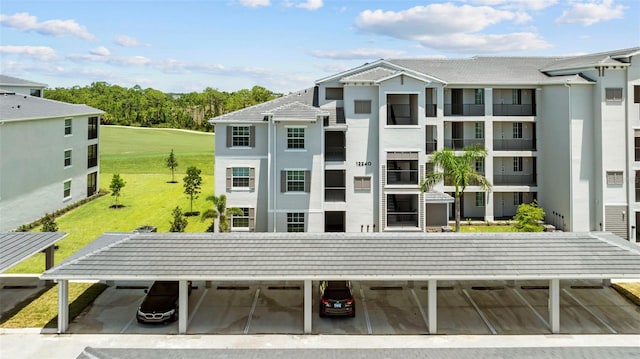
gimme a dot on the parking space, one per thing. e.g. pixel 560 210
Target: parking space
pixel 496 307
pixel 16 289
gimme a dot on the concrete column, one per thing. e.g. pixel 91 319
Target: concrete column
pixel 432 306
pixel 489 214
pixel 308 305
pixel 606 282
pixel 63 306
pixel 207 284
pixel 48 261
pixel 554 305
pixel 183 306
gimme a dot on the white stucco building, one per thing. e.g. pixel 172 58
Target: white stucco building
pixel 48 153
pixel 349 153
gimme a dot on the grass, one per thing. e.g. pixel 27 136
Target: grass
pixel 42 312
pixel 140 155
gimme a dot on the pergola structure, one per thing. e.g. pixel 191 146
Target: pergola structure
pixel 307 257
pixel 15 247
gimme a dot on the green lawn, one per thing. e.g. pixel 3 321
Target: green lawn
pixel 139 156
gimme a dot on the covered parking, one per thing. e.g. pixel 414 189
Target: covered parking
pixel 16 247
pixel 308 257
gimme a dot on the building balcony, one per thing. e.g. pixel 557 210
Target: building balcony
pixel 464 109
pixel 514 110
pixel 458 144
pixel 334 147
pixel 334 194
pixel 514 179
pixel 514 144
pixel 431 110
pixel 431 146
pixel 401 115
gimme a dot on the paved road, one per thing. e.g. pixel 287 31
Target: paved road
pixel 18 344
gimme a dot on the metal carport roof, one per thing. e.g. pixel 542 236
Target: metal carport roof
pixel 15 247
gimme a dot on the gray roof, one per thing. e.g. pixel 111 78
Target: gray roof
pixel 18 246
pixel 592 60
pixel 257 112
pixel 16 107
pixel 356 256
pixel 297 111
pixel 16 82
pixel 437 197
pixel 370 75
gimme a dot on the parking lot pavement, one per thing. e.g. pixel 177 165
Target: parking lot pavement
pixel 469 308
pixel 15 289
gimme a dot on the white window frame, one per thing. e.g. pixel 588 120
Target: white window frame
pixel 518 198
pixel 295 220
pixel 236 136
pixel 615 177
pixel 66 189
pixel 68 126
pixel 245 216
pixel 479 165
pixel 479 199
pixel 237 176
pixel 479 130
pixel 517 130
pixel 290 182
pixel 518 164
pixel 68 158
pixel 479 96
pixel 294 138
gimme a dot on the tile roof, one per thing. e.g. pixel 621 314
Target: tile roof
pixel 15 107
pixel 297 111
pixel 592 60
pixel 370 75
pixel 18 246
pixel 357 256
pixel 14 81
pixel 257 112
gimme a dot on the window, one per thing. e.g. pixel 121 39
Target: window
pixel 636 94
pixel 479 97
pixel 67 127
pixel 479 164
pixel 362 106
pixel 295 222
pixel 362 183
pixel 479 130
pixel 636 140
pixel 35 92
pixel 518 198
pixel 240 220
pixel 479 199
pixel 93 128
pixel 92 156
pixel 67 189
pixel 517 130
pixel 92 183
pixel 67 158
pixel 613 94
pixel 240 136
pixel 333 93
pixel 517 164
pixel 615 178
pixel 295 138
pixel 240 176
pixel 295 181
pixel 516 96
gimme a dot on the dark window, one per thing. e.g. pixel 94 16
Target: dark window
pixel 613 94
pixel 67 189
pixel 295 138
pixel 67 158
pixel 92 156
pixel 517 130
pixel 35 92
pixel 636 94
pixel 240 221
pixel 240 136
pixel 92 183
pixel 295 222
pixel 333 93
pixel 93 128
pixel 67 126
pixel 240 177
pixel 295 181
pixel 362 106
pixel 517 164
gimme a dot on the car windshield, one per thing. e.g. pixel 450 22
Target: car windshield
pixel 337 293
pixel 163 288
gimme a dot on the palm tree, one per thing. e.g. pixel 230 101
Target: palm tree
pixel 457 170
pixel 220 211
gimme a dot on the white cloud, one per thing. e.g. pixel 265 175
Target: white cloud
pixel 589 13
pixel 25 22
pixel 124 61
pixel 307 5
pixel 127 41
pixel 517 4
pixel 367 54
pixel 100 51
pixel 480 43
pixel 41 53
pixel 255 3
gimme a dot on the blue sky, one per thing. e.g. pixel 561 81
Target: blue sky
pixel 285 45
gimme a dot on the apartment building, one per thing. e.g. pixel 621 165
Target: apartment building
pixel 349 153
pixel 48 153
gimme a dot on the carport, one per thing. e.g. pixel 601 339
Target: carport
pixel 308 257
pixel 16 247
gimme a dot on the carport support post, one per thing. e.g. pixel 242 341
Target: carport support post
pixel 48 261
pixel 63 306
pixel 554 305
pixel 308 300
pixel 183 307
pixel 433 306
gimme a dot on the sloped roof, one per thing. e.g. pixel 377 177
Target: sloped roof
pixel 16 107
pixel 434 196
pixel 257 112
pixel 297 111
pixel 356 256
pixel 592 60
pixel 18 246
pixel 16 82
pixel 370 75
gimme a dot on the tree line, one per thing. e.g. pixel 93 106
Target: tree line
pixel 148 107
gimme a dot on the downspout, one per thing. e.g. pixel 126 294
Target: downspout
pixel 566 84
pixel 274 174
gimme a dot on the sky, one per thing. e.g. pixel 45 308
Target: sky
pixel 286 45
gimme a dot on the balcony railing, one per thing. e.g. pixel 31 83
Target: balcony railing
pixel 334 194
pixel 514 180
pixel 514 110
pixel 401 177
pixel 463 110
pixel 431 110
pixel 459 143
pixel 335 153
pixel 402 219
pixel 514 144
pixel 399 114
pixel 431 146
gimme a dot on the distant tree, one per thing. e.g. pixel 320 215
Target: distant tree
pixel 529 217
pixel 179 223
pixel 172 163
pixel 220 211
pixel 192 183
pixel 49 223
pixel 117 183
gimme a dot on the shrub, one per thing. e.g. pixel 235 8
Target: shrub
pixel 529 217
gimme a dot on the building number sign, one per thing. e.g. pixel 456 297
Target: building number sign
pixel 362 163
